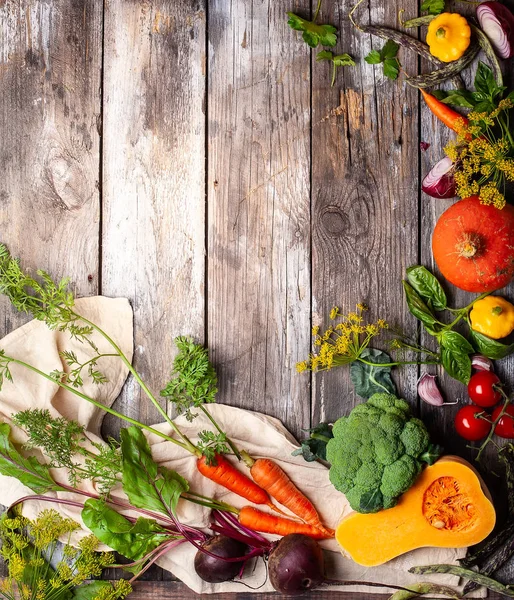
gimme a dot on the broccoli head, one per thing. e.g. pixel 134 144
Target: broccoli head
pixel 377 452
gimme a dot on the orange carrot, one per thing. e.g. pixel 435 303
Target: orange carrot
pixel 225 474
pixel 272 478
pixel 266 523
pixel 444 113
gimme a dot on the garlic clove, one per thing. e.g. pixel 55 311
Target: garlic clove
pixel 428 390
pixel 481 363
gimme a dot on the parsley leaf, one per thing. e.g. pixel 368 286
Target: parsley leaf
pixel 391 68
pixel 373 58
pixel 313 34
pixel 339 60
pixel 433 7
pixel 386 57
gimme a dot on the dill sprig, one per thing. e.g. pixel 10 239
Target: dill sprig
pixel 29 548
pixel 484 155
pixel 342 343
pixel 62 442
pixel 53 303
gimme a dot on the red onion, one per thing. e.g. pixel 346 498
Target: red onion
pixel 497 22
pixel 440 182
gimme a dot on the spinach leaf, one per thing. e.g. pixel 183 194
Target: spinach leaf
pixel 456 364
pixel 491 348
pixel 28 471
pixel 146 484
pixel 315 446
pixel 427 286
pixel 133 540
pixel 370 379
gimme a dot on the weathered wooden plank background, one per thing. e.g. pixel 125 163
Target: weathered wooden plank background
pixel 192 156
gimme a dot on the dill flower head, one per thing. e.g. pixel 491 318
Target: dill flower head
pixel 483 154
pixel 341 343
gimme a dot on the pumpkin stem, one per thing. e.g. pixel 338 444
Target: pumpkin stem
pixel 469 246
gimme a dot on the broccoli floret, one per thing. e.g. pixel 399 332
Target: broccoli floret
pixel 376 452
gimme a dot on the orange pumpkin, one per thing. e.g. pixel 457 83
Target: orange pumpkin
pixel 473 245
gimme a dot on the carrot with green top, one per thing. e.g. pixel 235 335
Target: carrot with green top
pixel 444 113
pixel 194 384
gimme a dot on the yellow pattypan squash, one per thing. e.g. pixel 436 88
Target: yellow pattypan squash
pixel 492 316
pixel 448 36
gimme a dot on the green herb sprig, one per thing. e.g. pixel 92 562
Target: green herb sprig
pixel 63 441
pixel 425 300
pixel 28 548
pixel 313 34
pixel 387 57
pixel 338 60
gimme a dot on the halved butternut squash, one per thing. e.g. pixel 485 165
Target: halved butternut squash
pixel 449 506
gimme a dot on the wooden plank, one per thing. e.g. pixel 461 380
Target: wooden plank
pixel 364 192
pixel 50 63
pixel 177 591
pixel 153 180
pixel 258 199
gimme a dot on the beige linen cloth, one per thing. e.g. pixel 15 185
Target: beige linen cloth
pixel 260 435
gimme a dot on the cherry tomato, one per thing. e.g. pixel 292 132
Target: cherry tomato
pixel 469 426
pixel 481 390
pixel 505 426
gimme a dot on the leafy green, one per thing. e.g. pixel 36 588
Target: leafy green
pixel 485 85
pixel 485 97
pixel 62 441
pixel 419 309
pixel 463 98
pixel 372 379
pixel 313 34
pixel 387 56
pixel 28 471
pixel 456 364
pixel 427 286
pixel 433 7
pixel 193 380
pixel 211 443
pixel 339 60
pixel 146 484
pixel 315 446
pixel 491 348
pixel 133 540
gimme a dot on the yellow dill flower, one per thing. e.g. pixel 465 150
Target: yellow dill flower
pixel 451 151
pixel 16 566
pixel 371 329
pixel 334 313
pixel 506 165
pixel 301 366
pixel 315 330
pixel 489 194
pixel 382 324
pixel 362 307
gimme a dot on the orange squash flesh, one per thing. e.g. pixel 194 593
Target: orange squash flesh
pixel 449 506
